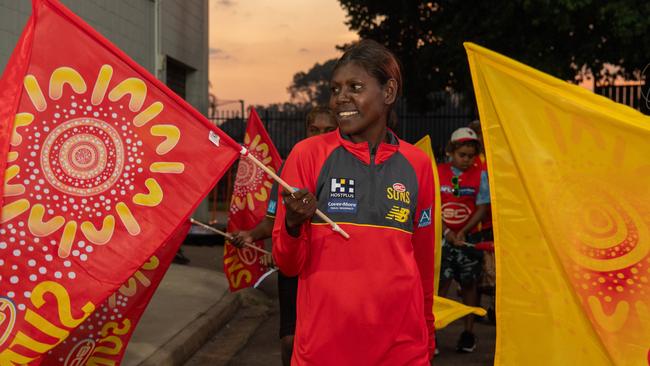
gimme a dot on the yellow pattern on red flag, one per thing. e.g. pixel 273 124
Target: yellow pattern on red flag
pixel 571 217
pixel 116 319
pixel 104 164
pixel 250 197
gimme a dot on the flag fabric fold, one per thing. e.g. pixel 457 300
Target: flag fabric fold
pixel 447 311
pixel 104 164
pixel 571 217
pixel 251 193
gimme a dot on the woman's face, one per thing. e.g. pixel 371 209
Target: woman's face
pixel 323 123
pixel 359 103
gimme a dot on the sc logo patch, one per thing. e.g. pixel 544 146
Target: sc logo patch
pixel 455 212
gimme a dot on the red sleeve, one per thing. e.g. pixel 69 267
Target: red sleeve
pixel 423 240
pixel 291 253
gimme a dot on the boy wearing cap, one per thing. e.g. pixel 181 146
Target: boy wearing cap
pixel 465 196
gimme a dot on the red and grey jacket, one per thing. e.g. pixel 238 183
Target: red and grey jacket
pixel 458 201
pixel 367 300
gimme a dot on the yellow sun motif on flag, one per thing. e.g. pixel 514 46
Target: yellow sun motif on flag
pixel 77 159
pixel 252 183
pixel 603 226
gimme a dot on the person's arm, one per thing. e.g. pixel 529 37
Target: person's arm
pixel 448 234
pixel 262 231
pixel 476 217
pixel 292 229
pixel 423 241
pixel 482 207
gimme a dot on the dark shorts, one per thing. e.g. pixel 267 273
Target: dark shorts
pixel 463 264
pixel 287 293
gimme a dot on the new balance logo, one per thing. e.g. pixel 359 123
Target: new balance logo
pixel 399 214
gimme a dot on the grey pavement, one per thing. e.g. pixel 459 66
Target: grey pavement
pixel 189 306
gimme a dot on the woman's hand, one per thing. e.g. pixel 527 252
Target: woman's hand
pixel 301 206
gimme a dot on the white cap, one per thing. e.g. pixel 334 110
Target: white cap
pixel 464 134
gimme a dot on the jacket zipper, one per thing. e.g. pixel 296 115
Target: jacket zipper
pixel 371 167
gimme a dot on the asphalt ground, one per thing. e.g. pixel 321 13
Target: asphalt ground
pixel 251 337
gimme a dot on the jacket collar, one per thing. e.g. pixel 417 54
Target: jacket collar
pixel 361 150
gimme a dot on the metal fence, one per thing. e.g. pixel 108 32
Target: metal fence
pixel 287 128
pixel 635 96
pixel 449 113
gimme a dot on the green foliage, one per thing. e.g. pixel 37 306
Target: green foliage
pixel 565 38
pixel 311 88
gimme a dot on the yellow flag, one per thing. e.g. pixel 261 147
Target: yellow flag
pixel 425 145
pixel 571 211
pixel 445 310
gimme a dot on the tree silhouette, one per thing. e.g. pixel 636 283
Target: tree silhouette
pixel 311 88
pixel 569 39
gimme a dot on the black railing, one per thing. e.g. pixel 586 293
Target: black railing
pixel 287 128
pixel 635 96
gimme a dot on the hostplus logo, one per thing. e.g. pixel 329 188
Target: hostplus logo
pixel 342 188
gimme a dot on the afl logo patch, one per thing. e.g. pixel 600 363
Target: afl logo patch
pixel 399 187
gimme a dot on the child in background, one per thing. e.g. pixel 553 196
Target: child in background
pixel 465 196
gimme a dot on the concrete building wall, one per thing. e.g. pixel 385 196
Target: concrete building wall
pixel 131 24
pixel 185 39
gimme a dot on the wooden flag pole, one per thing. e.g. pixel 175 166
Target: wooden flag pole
pixel 228 236
pixel 335 226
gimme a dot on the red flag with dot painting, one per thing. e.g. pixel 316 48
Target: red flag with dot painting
pixel 250 197
pixel 104 164
pixel 102 338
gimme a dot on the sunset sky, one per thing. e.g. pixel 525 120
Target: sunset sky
pixel 257 45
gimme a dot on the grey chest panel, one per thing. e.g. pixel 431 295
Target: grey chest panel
pixel 382 195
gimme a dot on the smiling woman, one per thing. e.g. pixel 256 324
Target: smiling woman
pixel 257 45
pixel 367 301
